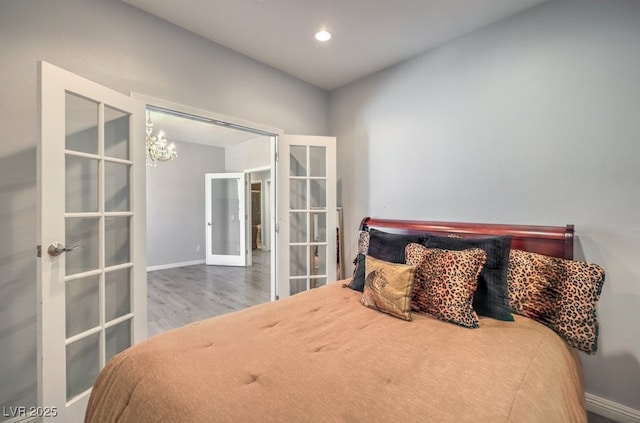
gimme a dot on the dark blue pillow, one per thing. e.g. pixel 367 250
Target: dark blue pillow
pixel 390 247
pixel 492 295
pixel 383 246
pixel 357 283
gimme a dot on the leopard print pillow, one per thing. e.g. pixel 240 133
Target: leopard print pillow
pixel 363 242
pixel 445 282
pixel 561 294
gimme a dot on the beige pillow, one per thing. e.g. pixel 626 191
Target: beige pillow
pixel 388 287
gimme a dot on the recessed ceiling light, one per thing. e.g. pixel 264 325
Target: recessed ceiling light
pixel 323 36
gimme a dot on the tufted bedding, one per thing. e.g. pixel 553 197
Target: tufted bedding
pixel 322 356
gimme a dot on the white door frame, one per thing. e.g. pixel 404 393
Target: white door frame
pixel 264 211
pixel 240 124
pixel 275 134
pixel 250 210
pixel 239 259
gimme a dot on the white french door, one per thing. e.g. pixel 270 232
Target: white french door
pixel 226 218
pixel 306 201
pixel 91 236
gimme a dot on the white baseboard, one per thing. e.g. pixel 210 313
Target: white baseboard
pixel 174 265
pixel 612 410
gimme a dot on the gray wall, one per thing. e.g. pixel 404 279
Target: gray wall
pixel 252 154
pixel 534 120
pixel 176 203
pixel 123 48
pixel 175 196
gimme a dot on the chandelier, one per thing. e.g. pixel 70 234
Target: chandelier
pixel 158 149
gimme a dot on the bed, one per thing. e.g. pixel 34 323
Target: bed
pixel 323 356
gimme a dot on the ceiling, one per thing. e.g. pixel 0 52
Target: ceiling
pixel 178 128
pixel 368 35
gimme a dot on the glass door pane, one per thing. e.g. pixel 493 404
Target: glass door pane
pixel 117 240
pixel 83 364
pixel 318 161
pixel 116 133
pixel 81 124
pixel 83 304
pixel 81 184
pixel 83 236
pixel 117 292
pixel 117 182
pixel 298 160
pixel 117 338
pixel 225 219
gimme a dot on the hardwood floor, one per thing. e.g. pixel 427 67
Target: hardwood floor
pixel 187 294
pixel 594 418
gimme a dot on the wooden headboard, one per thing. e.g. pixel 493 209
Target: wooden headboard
pixel 556 241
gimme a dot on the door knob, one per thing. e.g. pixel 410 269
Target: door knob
pixel 58 248
pixel 209 223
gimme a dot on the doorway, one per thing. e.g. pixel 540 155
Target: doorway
pixel 255 215
pixel 184 289
pixel 225 211
pixel 305 181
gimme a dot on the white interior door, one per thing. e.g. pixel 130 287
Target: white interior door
pixel 226 219
pixel 306 199
pixel 91 234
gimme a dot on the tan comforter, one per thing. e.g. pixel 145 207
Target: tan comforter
pixel 321 356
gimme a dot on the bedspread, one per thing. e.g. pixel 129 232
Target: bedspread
pixel 321 356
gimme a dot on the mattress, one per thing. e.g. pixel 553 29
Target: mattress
pixel 322 356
